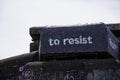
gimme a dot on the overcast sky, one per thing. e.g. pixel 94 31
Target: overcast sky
pixel 17 16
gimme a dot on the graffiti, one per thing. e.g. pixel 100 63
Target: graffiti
pixel 28 74
pixel 69 77
pixel 21 68
pixel 103 75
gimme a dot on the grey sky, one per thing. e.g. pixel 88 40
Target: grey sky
pixel 17 16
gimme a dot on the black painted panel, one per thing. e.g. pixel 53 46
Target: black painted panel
pixel 78 39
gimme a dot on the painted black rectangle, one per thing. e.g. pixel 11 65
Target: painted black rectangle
pixel 77 39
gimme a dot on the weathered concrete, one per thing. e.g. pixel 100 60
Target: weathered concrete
pixel 91 69
pixel 11 68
